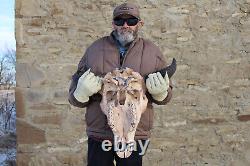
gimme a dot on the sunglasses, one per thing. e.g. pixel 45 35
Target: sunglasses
pixel 129 21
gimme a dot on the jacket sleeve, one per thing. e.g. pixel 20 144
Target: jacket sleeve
pixel 160 64
pixel 82 66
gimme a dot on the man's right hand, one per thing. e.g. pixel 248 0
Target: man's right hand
pixel 88 84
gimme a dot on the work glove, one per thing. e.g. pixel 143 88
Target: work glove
pixel 157 86
pixel 88 84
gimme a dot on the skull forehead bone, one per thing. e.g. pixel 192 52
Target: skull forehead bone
pixel 123 102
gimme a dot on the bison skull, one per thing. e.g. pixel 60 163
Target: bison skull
pixel 123 102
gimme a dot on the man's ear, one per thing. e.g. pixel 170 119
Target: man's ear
pixel 141 23
pixel 113 25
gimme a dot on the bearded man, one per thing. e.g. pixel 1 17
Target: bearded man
pixel 123 48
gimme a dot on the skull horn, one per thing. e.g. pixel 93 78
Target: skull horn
pixel 169 69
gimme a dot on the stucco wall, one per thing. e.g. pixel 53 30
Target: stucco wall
pixel 207 121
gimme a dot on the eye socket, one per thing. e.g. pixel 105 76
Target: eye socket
pixel 135 93
pixel 111 92
pixel 111 95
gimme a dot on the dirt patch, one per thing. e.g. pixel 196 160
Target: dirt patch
pixel 8 141
pixel 8 149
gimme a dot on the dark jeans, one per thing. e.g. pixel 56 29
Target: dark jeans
pixel 98 157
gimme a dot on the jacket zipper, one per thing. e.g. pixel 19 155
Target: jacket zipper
pixel 130 47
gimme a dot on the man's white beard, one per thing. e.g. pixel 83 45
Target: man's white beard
pixel 125 36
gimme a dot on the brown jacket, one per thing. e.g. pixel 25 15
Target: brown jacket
pixel 103 57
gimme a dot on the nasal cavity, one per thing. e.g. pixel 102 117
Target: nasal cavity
pixel 121 102
pixel 122 97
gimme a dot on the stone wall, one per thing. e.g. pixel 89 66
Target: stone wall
pixel 207 121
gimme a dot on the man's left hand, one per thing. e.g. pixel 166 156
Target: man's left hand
pixel 157 85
